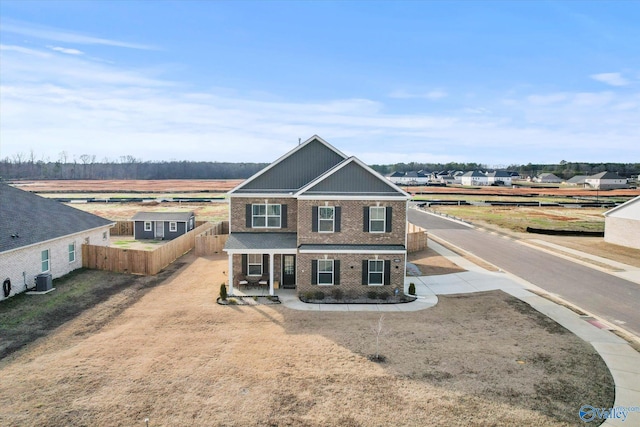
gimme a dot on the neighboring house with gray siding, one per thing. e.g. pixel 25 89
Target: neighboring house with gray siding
pixel 42 236
pixel 622 224
pixel 316 219
pixel 606 181
pixel 162 225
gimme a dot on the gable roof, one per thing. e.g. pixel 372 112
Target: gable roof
pixel 163 216
pixel 475 173
pixel 33 219
pixel 634 211
pixel 499 174
pixel 578 179
pixel 605 175
pixel 352 178
pixel 294 170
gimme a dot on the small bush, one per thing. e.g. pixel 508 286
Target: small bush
pixel 255 298
pixel 337 293
pixel 383 295
pixel 319 295
pixel 412 289
pixel 372 295
pixel 223 292
pixel 233 301
pixel 307 296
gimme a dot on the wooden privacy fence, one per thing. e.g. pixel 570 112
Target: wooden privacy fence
pixel 122 228
pixel 416 238
pixel 213 240
pixel 137 261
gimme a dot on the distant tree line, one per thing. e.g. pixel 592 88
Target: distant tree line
pixel 23 166
pixel 125 167
pixel 563 169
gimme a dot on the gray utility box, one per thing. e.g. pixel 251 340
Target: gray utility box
pixel 44 282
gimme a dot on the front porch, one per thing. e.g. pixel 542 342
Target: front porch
pixel 259 263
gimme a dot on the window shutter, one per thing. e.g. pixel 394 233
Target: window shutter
pixel 248 214
pixel 265 264
pixel 336 211
pixel 365 219
pixel 244 264
pixel 387 225
pixel 365 272
pixel 314 218
pixel 283 216
pixel 336 272
pixel 387 272
pixel 314 272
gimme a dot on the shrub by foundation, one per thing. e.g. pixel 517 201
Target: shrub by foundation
pixel 412 289
pixel 223 292
pixel 337 294
pixel 372 295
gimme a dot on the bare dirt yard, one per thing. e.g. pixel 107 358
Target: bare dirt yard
pixel 169 353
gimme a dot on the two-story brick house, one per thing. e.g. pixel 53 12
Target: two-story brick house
pixel 317 219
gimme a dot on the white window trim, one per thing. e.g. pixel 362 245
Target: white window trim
pixel 72 252
pixel 266 216
pixel 384 219
pixel 148 226
pixel 173 226
pixel 249 264
pixel 333 275
pixel 369 273
pixel 48 260
pixel 333 219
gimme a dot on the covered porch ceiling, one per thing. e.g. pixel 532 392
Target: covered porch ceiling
pixel 262 243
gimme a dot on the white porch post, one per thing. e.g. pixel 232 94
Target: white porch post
pixel 271 268
pixel 230 274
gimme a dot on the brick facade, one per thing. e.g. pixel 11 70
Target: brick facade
pixel 238 215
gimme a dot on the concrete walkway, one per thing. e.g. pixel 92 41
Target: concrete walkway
pixel 621 359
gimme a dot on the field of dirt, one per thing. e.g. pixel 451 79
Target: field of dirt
pixel 204 211
pixel 177 358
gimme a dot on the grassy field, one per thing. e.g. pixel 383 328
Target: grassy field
pixel 519 218
pixel 166 351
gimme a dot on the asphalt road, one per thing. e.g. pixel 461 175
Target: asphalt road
pixel 614 299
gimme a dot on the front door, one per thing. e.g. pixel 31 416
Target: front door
pixel 289 271
pixel 159 230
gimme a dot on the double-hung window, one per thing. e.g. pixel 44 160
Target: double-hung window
pixel 147 226
pixel 377 219
pixel 376 272
pixel 325 272
pixel 173 226
pixel 72 252
pixel 326 218
pixel 44 257
pixel 266 216
pixel 254 264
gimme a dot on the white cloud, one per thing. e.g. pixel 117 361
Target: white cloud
pixel 547 99
pixel 68 51
pixel 433 94
pixel 53 34
pixel 613 79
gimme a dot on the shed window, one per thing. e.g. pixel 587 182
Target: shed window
pixel 173 226
pixel 254 264
pixel 72 252
pixel 147 226
pixel 44 257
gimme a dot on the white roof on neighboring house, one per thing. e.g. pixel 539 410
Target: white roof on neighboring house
pixel 630 210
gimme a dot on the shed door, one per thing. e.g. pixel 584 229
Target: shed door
pixel 159 230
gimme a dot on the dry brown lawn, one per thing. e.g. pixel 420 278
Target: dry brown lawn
pixel 178 358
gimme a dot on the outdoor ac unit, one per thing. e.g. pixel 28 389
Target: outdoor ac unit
pixel 44 282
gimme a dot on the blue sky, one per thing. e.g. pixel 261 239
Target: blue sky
pixel 436 81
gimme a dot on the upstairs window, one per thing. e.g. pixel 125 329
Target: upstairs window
pixel 326 217
pixel 376 219
pixel 266 216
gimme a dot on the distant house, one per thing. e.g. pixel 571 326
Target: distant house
pixel 395 177
pixel 499 178
pixel 475 177
pixel 162 225
pixel 548 178
pixel 577 180
pixel 606 181
pixel 42 238
pixel 622 224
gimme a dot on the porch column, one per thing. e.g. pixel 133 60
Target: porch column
pixel 230 274
pixel 272 267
